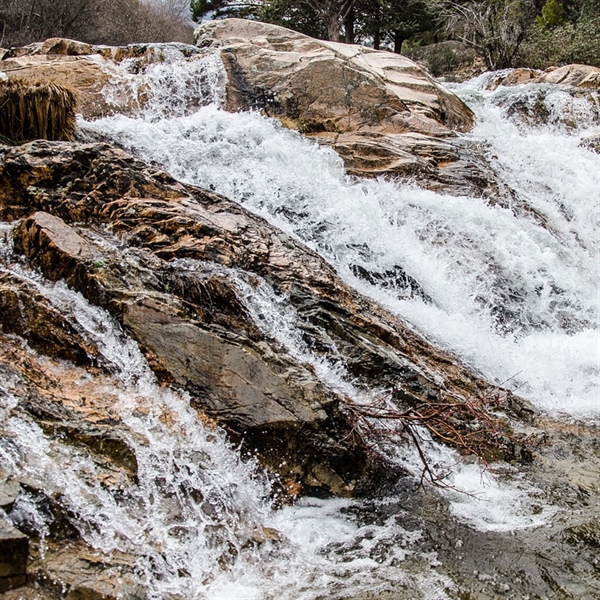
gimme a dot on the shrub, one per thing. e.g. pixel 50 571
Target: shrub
pixel 564 44
pixel 113 22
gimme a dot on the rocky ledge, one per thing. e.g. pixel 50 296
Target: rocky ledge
pixel 381 112
pixel 176 266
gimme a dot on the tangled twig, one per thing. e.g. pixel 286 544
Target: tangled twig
pixel 472 426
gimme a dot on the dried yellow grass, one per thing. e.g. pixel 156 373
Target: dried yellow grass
pixel 32 111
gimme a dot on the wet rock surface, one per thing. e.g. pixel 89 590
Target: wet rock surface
pixel 195 324
pixel 90 70
pixel 178 267
pixel 561 96
pixel 381 112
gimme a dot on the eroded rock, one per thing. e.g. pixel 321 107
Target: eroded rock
pixel 373 107
pixel 195 324
pixel 90 71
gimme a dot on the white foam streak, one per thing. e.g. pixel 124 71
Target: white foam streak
pixel 503 286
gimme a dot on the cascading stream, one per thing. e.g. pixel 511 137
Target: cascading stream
pixel 192 519
pixel 515 297
pixel 508 295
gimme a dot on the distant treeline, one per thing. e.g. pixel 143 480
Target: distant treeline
pixel 504 33
pixel 112 22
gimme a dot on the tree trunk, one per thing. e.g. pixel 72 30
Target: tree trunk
pixel 377 39
pixel 333 27
pixel 398 41
pixel 349 27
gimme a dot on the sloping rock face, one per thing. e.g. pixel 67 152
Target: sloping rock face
pixel 122 234
pixel 328 86
pixel 380 111
pixel 581 76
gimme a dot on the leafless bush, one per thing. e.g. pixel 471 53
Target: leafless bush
pixel 472 426
pixel 495 30
pixel 113 22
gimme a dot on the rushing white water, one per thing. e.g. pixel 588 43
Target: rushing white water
pixel 191 520
pixel 508 295
pixel 514 297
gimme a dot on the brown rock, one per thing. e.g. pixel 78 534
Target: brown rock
pixel 584 76
pixel 358 100
pixel 87 70
pixel 194 325
pixel 515 77
pixel 85 75
pixel 65 47
pixel 327 86
pixel 53 245
pixel 25 312
pixel 57 396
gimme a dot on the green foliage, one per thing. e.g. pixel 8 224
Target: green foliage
pixel 443 61
pixel 564 44
pixel 552 15
pixel 393 21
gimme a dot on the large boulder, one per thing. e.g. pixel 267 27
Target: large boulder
pixel 195 324
pixel 371 106
pixel 566 97
pixel 381 112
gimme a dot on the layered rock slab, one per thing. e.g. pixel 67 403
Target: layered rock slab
pixel 382 112
pixel 167 260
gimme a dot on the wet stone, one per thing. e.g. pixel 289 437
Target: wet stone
pixel 14 552
pixel 8 494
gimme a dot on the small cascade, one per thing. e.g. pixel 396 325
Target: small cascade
pixel 166 82
pixel 512 292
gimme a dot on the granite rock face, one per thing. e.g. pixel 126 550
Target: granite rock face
pixel 195 323
pixel 381 112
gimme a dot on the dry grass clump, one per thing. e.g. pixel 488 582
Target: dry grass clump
pixel 32 111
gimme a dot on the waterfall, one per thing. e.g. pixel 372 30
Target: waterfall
pixel 512 291
pixel 192 519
